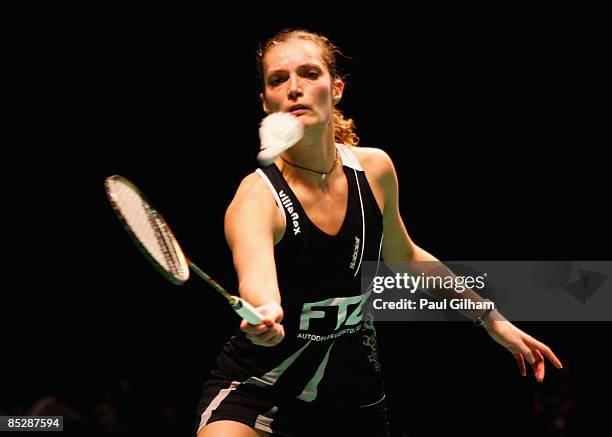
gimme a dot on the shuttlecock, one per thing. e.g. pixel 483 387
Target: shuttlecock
pixel 278 132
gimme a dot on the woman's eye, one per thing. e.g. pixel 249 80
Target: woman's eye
pixel 274 81
pixel 312 74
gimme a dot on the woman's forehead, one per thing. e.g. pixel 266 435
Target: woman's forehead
pixel 292 53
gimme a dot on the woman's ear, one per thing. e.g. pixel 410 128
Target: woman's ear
pixel 264 105
pixel 337 90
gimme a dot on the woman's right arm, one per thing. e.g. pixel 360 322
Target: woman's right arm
pixel 252 224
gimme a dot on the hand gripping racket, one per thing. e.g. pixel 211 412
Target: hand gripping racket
pixel 153 237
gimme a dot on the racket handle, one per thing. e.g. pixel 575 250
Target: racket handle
pixel 246 311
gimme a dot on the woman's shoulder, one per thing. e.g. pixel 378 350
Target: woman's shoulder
pixel 374 160
pixel 252 192
pixel 250 182
pixel 252 215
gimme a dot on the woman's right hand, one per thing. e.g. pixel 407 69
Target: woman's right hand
pixel 269 332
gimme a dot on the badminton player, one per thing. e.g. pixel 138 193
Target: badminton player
pixel 299 230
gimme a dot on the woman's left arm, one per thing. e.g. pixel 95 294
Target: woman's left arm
pixel 397 246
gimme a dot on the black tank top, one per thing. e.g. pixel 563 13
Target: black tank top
pixel 329 352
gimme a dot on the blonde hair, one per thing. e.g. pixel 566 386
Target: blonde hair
pixel 344 128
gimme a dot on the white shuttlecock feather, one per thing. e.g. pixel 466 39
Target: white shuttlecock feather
pixel 278 132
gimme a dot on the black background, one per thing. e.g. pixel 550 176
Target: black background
pixel 494 121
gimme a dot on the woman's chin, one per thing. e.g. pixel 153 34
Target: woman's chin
pixel 310 123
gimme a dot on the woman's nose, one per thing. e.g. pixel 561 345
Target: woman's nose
pixel 295 90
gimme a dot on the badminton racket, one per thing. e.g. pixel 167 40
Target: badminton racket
pixel 153 237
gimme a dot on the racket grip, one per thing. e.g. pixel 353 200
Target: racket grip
pixel 246 311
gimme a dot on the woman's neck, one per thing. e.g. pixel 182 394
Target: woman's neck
pixel 313 159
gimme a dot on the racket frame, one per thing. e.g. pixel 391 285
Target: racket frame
pixel 150 210
pixel 171 245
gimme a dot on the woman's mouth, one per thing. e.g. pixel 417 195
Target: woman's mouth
pixel 298 109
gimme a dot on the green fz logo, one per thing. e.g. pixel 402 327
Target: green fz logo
pixel 344 319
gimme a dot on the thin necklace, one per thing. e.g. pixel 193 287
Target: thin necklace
pixel 322 173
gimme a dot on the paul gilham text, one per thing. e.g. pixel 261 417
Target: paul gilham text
pixel 426 304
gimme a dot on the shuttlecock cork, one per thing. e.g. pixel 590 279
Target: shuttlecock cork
pixel 278 132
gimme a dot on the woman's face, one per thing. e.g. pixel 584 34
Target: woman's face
pixel 297 81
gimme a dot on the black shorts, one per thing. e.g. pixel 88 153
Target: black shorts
pixel 231 400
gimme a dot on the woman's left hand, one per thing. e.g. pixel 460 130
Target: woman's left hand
pixel 522 346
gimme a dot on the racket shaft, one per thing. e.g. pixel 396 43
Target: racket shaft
pixel 241 306
pixel 211 282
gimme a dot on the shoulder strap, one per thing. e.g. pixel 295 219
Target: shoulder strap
pixel 285 199
pixel 348 157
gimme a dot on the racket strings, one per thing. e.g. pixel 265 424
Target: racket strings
pixel 135 213
pixel 149 228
